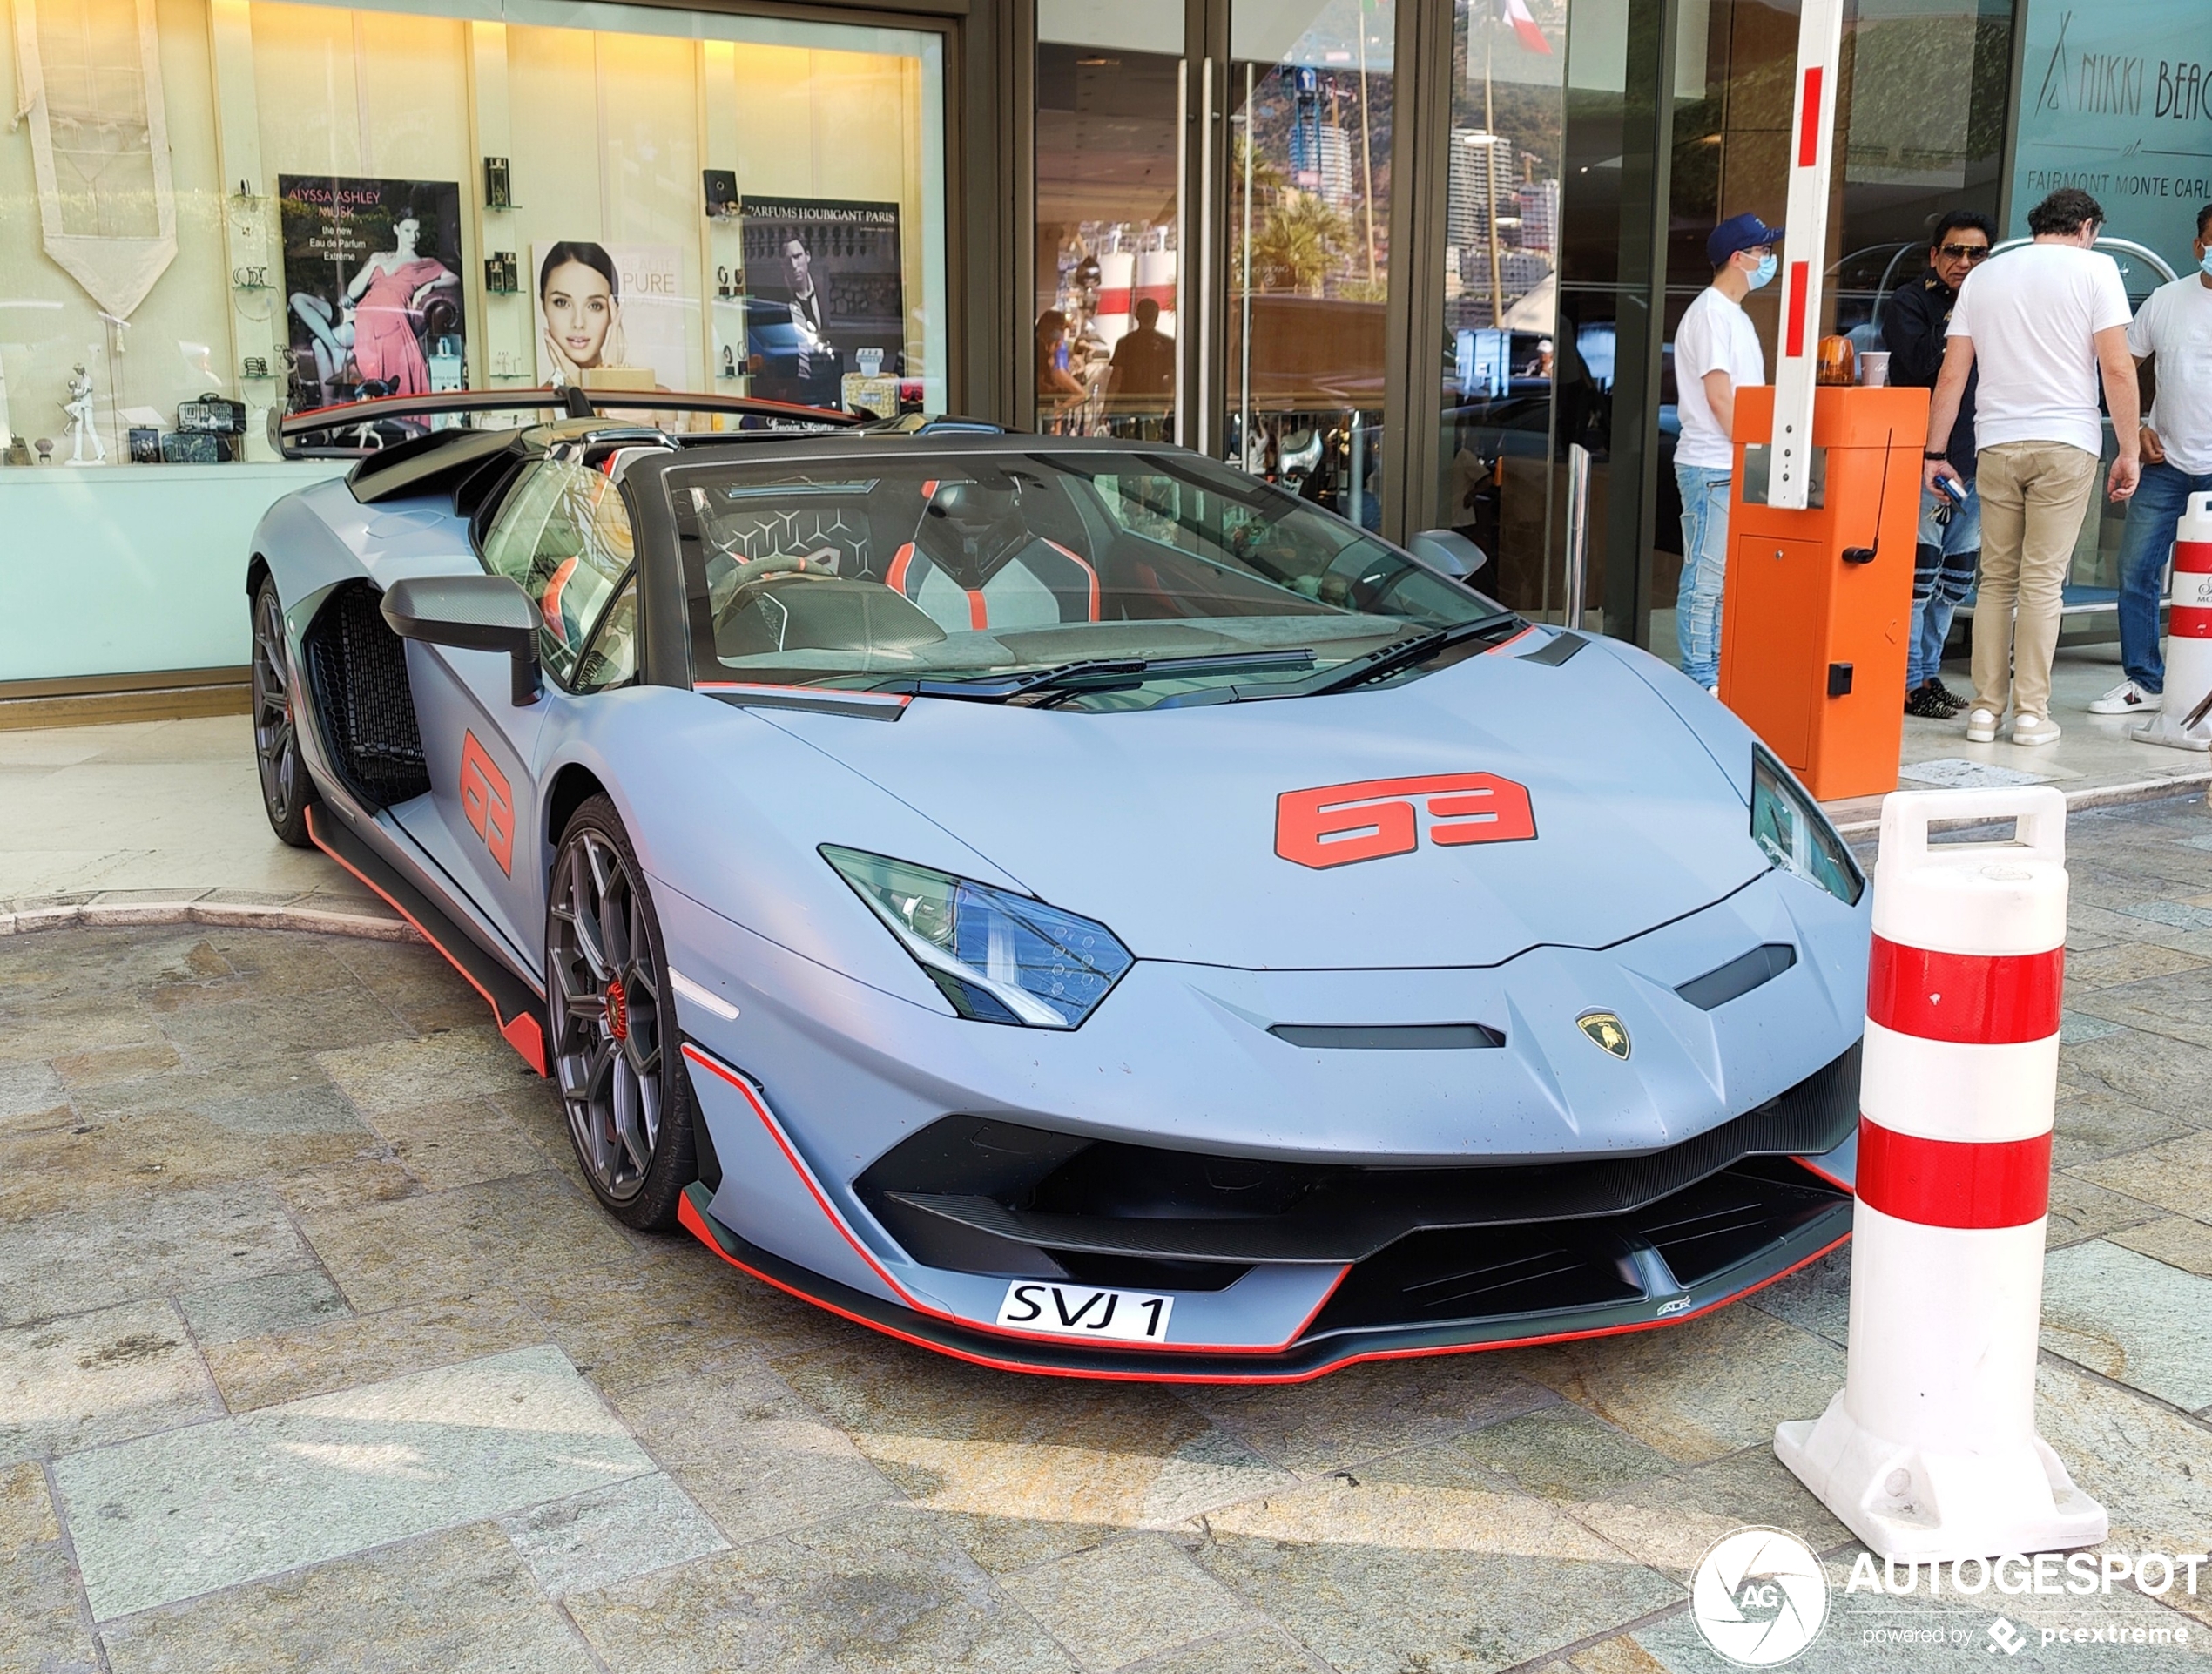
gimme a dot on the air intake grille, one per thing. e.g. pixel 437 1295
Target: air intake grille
pixel 357 667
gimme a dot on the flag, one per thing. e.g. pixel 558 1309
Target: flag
pixel 1515 12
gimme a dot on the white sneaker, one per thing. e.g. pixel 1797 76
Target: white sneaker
pixel 1981 727
pixel 2128 698
pixel 2034 729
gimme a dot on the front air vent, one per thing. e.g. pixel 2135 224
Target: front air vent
pixel 1739 976
pixel 357 669
pixel 1390 1037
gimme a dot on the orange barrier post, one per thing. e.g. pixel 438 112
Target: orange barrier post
pixel 1818 606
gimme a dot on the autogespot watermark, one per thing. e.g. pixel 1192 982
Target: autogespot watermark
pixel 1760 1597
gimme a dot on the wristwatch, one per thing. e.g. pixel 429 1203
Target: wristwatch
pixel 1937 454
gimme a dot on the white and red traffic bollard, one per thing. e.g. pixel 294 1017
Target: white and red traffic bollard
pixel 2186 721
pixel 1930 1452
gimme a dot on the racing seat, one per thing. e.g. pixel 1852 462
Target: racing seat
pixel 974 563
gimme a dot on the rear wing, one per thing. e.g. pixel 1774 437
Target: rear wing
pixel 357 429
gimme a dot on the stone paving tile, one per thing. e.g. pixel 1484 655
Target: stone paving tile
pixel 1363 1411
pixel 42 1625
pixel 423 994
pixel 171 1517
pixel 2176 1176
pixel 1670 1521
pixel 2078 1027
pixel 2179 1006
pixel 756 1459
pixel 112 1249
pixel 103 1065
pixel 99 1377
pixel 2092 1125
pixel 590 1541
pixel 463 1142
pixel 2177 1241
pixel 2155 1071
pixel 2123 962
pixel 249 1307
pixel 361 1180
pixel 1390 1591
pixel 283 1365
pixel 881 1591
pixel 1127 1600
pixel 958 1438
pixel 1815 1298
pixel 461 1602
pixel 2134 1320
pixel 467 1240
pixel 1262 1651
pixel 1562 1451
pixel 399 1075
pixel 30 1091
pixel 2082 1210
pixel 266 1018
pixel 1700 1390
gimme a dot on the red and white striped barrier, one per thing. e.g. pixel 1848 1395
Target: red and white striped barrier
pixel 1930 1452
pixel 2189 644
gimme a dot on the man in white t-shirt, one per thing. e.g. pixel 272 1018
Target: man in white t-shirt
pixel 2172 340
pixel 2045 323
pixel 1716 353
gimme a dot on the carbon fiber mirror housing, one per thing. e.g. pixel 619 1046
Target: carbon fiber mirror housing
pixel 472 613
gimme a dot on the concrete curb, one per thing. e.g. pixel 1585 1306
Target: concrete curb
pixel 227 914
pixel 2094 796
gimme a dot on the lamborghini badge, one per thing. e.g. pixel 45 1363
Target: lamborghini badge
pixel 1607 1030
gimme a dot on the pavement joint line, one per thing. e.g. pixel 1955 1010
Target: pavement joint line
pixel 2202 1420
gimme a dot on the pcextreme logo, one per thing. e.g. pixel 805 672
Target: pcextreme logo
pixel 487 803
pixel 1759 1597
pixel 1370 818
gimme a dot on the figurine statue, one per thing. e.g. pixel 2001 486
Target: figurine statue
pixel 80 408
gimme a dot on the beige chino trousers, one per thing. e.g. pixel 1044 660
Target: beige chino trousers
pixel 2033 497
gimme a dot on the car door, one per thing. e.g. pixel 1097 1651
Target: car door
pixel 564 536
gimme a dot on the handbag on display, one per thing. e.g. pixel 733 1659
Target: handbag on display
pixel 212 415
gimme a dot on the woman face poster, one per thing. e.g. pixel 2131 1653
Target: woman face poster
pixel 610 308
pixel 372 285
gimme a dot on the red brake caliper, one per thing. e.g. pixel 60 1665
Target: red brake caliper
pixel 618 1010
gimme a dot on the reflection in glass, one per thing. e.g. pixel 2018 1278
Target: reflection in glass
pixel 1501 287
pixel 1309 259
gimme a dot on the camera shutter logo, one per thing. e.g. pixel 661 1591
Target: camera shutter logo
pixel 1759 1597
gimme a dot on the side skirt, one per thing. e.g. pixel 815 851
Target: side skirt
pixel 518 1010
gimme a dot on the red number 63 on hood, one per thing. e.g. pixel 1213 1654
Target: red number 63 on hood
pixel 1335 825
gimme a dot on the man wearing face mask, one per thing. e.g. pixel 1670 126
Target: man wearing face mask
pixel 1716 353
pixel 2171 339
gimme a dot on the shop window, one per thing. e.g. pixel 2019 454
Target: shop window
pixel 261 205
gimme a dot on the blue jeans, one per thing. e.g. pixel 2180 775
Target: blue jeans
pixel 1943 574
pixel 2153 516
pixel 1704 569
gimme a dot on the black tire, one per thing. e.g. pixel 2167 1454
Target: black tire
pixel 617 1063
pixel 286 792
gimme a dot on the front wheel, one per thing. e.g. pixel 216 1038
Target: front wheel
pixel 286 789
pixel 616 1050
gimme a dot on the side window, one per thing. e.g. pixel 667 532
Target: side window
pixel 565 536
pixel 612 659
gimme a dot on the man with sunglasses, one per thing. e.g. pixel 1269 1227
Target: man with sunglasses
pixel 2171 340
pixel 1949 541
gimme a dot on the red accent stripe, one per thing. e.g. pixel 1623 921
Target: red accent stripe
pixel 1949 1183
pixel 2192 557
pixel 1972 999
pixel 895 577
pixel 1077 558
pixel 1799 278
pixel 979 613
pixel 1809 120
pixel 521 1031
pixel 689 1218
pixel 722 1071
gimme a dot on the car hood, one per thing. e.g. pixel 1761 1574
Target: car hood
pixel 1163 823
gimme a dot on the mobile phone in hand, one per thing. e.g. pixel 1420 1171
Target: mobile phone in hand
pixel 1954 488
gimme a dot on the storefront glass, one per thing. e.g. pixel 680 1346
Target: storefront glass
pixel 215 207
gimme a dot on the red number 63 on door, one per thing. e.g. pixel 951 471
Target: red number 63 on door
pixel 1370 818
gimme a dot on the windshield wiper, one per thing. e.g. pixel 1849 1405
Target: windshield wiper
pixel 1096 674
pixel 1400 655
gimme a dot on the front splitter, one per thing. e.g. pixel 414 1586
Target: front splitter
pixel 1310 1356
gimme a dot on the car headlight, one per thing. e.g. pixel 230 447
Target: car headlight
pixel 1000 957
pixel 1795 835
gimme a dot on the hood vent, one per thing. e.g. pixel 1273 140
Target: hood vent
pixel 1739 976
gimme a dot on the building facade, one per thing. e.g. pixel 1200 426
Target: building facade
pixel 1399 255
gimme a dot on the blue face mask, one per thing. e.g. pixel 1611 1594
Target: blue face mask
pixel 2207 263
pixel 1769 265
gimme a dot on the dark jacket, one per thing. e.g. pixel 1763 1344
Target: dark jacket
pixel 1913 330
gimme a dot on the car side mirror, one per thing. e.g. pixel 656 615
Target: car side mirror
pixel 1449 550
pixel 471 612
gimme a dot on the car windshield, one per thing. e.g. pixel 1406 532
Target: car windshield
pixel 1092 578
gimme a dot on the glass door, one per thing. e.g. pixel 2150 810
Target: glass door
pixel 1307 241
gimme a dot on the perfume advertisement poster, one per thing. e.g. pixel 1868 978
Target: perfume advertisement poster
pixel 825 299
pixel 372 287
pixel 611 309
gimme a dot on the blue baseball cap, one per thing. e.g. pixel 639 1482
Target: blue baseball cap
pixel 1739 233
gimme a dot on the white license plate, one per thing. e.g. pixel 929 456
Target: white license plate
pixel 1080 1311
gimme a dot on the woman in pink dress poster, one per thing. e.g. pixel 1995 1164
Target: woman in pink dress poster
pixel 389 292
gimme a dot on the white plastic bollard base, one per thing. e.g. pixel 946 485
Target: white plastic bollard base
pixel 2189 646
